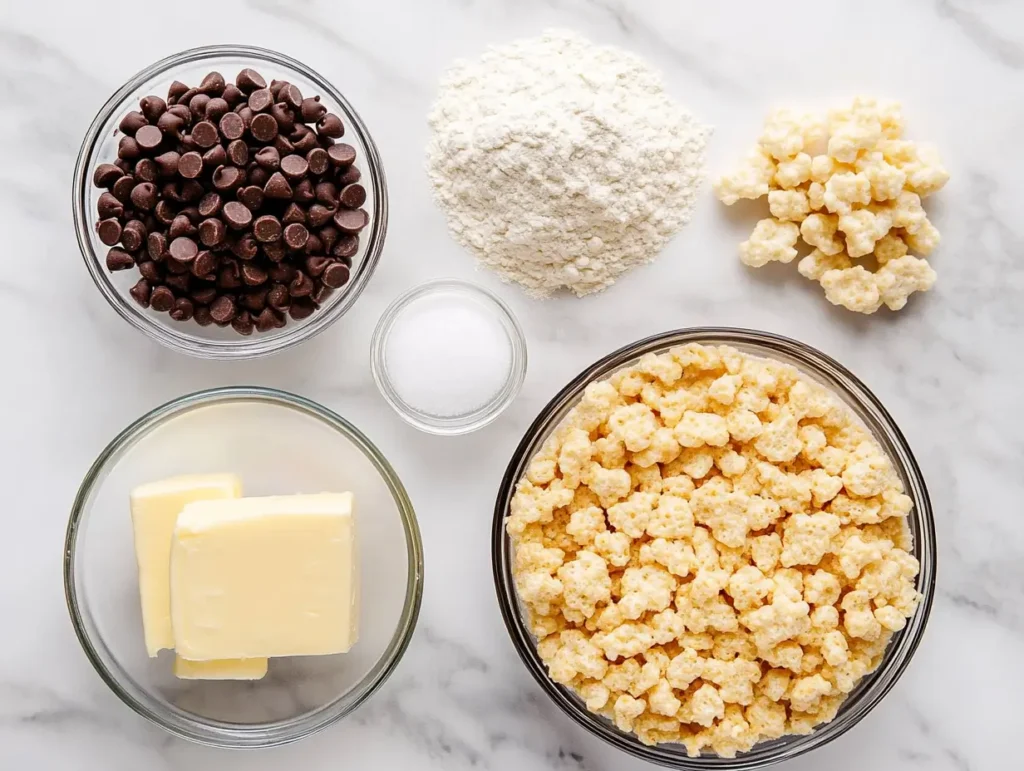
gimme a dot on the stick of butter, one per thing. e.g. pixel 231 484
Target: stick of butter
pixel 260 577
pixel 220 669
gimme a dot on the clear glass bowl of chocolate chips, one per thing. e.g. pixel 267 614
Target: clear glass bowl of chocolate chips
pixel 229 202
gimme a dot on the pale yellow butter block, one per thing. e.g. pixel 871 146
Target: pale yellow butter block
pixel 220 669
pixel 260 577
pixel 155 508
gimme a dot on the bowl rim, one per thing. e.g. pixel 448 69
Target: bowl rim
pixel 902 646
pixel 457 424
pixel 219 733
pixel 255 346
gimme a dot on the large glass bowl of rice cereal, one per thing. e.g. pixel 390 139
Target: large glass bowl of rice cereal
pixel 714 549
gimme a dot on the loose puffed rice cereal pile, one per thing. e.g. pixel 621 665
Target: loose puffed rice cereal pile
pixel 712 550
pixel 851 187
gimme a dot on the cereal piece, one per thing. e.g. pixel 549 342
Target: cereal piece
pixel 574 457
pixel 595 695
pixel 863 228
pixel 535 504
pixel 613 548
pixel 821 588
pixel 806 692
pixel 672 518
pixel 610 453
pixel 766 551
pixel 781 620
pixel 722 510
pixel 585 524
pixel 631 516
pixel 646 588
pixel 858 620
pixel 819 230
pixel 663 448
pixel 750 180
pixel 705 706
pixel 743 425
pixel 575 655
pixel 890 618
pixel 925 173
pixel 845 189
pixel 901 277
pixel 697 429
pixel 853 288
pixel 748 586
pixel 624 641
pixel 907 212
pixel 731 463
pixel 661 366
pixel 610 485
pixel 889 247
pixel 778 441
pixel 676 556
pixel 626 710
pixel 856 554
pixel 852 131
pixel 816 196
pixel 794 172
pixel 634 425
pixel 585 582
pixel 924 241
pixel 822 168
pixel 766 718
pixel 735 679
pixel 807 538
pixel 886 180
pixel 723 389
pixel 786 655
pixel 599 399
pixel 788 205
pixel 771 241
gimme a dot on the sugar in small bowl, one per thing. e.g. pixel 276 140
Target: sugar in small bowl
pixel 448 356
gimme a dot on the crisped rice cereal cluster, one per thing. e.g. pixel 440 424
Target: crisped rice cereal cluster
pixel 712 550
pixel 850 187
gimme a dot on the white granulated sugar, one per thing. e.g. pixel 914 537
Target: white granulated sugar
pixel 447 356
pixel 560 163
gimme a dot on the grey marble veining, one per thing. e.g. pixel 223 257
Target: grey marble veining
pixel 949 367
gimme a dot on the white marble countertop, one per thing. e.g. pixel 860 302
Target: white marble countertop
pixel 949 367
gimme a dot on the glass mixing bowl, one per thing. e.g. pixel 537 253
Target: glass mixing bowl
pixel 866 406
pixel 100 146
pixel 279 444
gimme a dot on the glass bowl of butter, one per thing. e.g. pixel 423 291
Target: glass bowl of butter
pixel 238 592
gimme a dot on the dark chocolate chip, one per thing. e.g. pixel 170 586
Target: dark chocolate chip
pixel 227 178
pixel 181 225
pixel 183 249
pixel 202 316
pixel 278 187
pixel 128 149
pixel 204 134
pixel 311 109
pixel 166 164
pixel 176 89
pixel 316 265
pixel 149 138
pixel 106 174
pixel 330 125
pixel 161 299
pixel 183 309
pixel 245 247
pixel 152 107
pixel 237 215
pixel 119 259
pixel 109 231
pixel 133 235
pixel 144 196
pixel 216 108
pixel 108 206
pixel 294 167
pixel 269 158
pixel 249 80
pixel 301 286
pixel 267 228
pixel 264 127
pixel 212 230
pixel 140 292
pixel 156 245
pixel 209 204
pixel 232 126
pixel 318 160
pixel 353 196
pixel 190 165
pixel 205 262
pixel 319 215
pixel 295 235
pixel 351 220
pixel 340 154
pixel 346 245
pixel 301 308
pixel 223 309
pixel 238 153
pixel 132 122
pixel 335 276
pixel 261 99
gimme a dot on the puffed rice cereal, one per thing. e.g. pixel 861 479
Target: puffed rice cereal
pixel 711 548
pixel 851 187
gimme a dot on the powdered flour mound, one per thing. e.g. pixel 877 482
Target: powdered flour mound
pixel 560 163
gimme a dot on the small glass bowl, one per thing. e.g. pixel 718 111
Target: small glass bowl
pixel 866 406
pixel 277 443
pixel 465 422
pixel 100 146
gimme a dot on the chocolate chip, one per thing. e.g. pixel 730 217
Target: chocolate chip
pixel 314 245
pixel 294 167
pixel 109 231
pixel 202 316
pixel 301 308
pixel 145 170
pixel 255 299
pixel 171 123
pixel 204 296
pixel 237 215
pixel 174 266
pixel 227 178
pixel 336 275
pixel 245 114
pixel 260 100
pixel 215 156
pixel 132 122
pixel 192 191
pixel 340 154
pixel 351 220
pixel 166 164
pixel 152 107
pixel 242 323
pixel 284 117
pixel 295 235
pixel 128 149
pixel 151 271
pixel 149 138
pixel 301 286
pixel 252 197
pixel 183 309
pixel 197 106
pixel 181 111
pixel 161 299
pixel 274 251
pixel 249 80
pixel 329 235
pixel 231 126
pixel 303 139
pixel 311 109
pixel 181 225
pixel 108 206
pixel 346 245
pixel 119 259
pixel 269 158
pixel 122 188
pixel 209 204
pixel 353 196
pixel 318 161
pixel 223 309
pixel 278 187
pixel 216 108
pixel 264 127
pixel 133 235
pixel 232 95
pixel 156 245
pixel 319 215
pixel 282 272
pixel 176 89
pixel 238 153
pixel 268 320
pixel 278 297
pixel 213 84
pixel 106 174
pixel 327 194
pixel 190 165
pixel 348 176
pixel 253 275
pixel 205 263
pixel 204 134
pixel 144 196
pixel 183 249
pixel 212 230
pixel 330 125
pixel 179 281
pixel 257 176
pixel 140 292
pixel 245 247
pixel 315 266
pixel 267 228
pixel 321 292
pixel 276 86
pixel 185 98
pixel 304 192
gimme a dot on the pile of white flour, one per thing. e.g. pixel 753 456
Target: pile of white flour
pixel 560 163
